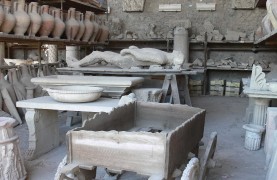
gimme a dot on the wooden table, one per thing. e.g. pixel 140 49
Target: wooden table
pixel 170 79
pixel 42 118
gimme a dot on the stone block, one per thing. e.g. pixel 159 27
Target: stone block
pixel 205 6
pixel 133 5
pixel 232 36
pixel 233 83
pixel 170 7
pixel 243 4
pixel 217 82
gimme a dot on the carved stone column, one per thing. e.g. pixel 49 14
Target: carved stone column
pixel 260 111
pixel 181 41
pixel 11 162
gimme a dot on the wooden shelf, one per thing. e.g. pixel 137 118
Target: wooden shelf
pixel 271 38
pixel 32 40
pixel 66 4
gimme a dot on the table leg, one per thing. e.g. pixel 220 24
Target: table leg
pixel 43 131
pixel 260 111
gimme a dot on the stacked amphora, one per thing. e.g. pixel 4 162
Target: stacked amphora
pixel 23 20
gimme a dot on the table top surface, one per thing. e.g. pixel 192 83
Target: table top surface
pixel 116 71
pixel 47 103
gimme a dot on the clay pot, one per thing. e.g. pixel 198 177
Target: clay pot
pixel 2 15
pixel 9 22
pixel 36 19
pixel 104 34
pixel 59 24
pixel 99 31
pixel 48 22
pixel 23 20
pixel 88 26
pixel 96 28
pixel 80 19
pixel 71 25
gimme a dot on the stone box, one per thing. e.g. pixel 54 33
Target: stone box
pixel 147 138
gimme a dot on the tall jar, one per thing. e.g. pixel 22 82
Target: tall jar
pixel 48 22
pixel 36 19
pixel 80 19
pixel 59 26
pixel 95 29
pixel 23 20
pixel 99 31
pixel 88 26
pixel 9 21
pixel 105 32
pixel 2 15
pixel 71 25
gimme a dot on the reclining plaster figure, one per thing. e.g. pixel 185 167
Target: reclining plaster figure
pixel 131 57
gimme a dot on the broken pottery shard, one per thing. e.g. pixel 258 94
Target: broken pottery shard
pixel 133 5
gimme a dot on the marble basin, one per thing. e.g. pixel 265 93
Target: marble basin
pixel 114 86
pixel 74 94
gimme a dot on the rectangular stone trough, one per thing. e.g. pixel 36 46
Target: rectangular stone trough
pixel 147 138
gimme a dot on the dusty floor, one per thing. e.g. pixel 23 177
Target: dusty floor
pixel 224 115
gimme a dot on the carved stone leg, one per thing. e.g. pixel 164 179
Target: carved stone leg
pixel 260 108
pixel 43 131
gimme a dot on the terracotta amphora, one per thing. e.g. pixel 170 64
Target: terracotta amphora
pixel 71 25
pixel 36 19
pixel 99 31
pixel 48 22
pixel 96 28
pixel 80 19
pixel 105 33
pixel 59 26
pixel 23 20
pixel 2 15
pixel 88 26
pixel 9 21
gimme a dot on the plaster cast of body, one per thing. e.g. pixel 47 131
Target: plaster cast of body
pixel 131 57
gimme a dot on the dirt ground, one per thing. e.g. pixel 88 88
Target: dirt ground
pixel 224 115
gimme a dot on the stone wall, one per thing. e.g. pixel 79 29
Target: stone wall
pixel 223 18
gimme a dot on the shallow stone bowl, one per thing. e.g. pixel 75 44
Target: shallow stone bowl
pixel 272 86
pixel 73 94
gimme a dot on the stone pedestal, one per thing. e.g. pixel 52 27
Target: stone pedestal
pixel 52 53
pixel 11 163
pixel 271 127
pixel 253 136
pixel 260 109
pixel 73 51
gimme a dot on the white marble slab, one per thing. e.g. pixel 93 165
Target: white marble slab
pixel 259 94
pixel 47 103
